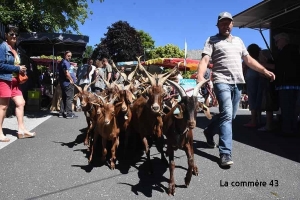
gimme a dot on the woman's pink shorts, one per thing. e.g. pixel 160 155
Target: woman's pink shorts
pixel 9 89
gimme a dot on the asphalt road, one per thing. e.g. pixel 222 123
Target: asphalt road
pixel 54 165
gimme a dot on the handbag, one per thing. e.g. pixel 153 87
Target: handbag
pixel 22 78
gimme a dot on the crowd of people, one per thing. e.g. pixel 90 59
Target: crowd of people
pixel 281 95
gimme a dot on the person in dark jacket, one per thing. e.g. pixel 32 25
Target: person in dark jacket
pixel 67 78
pixel 287 65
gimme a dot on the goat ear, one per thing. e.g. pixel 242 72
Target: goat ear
pixel 180 115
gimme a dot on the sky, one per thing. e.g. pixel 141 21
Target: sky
pixel 169 21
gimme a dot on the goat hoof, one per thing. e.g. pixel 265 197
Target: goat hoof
pixel 171 190
pixel 195 171
pixel 187 182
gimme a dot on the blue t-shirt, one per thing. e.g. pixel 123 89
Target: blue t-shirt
pixel 66 66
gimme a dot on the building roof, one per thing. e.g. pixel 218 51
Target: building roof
pixel 194 54
pixel 270 14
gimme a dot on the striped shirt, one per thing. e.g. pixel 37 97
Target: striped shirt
pixel 226 57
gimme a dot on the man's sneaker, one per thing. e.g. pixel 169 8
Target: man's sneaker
pixel 60 115
pixel 225 160
pixel 71 116
pixel 209 139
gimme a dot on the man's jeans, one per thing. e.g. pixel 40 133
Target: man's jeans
pixel 228 96
pixel 67 99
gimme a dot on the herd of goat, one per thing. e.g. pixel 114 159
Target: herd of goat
pixel 143 104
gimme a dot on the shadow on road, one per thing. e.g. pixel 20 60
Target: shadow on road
pixel 272 142
pixel 149 183
pixel 10 132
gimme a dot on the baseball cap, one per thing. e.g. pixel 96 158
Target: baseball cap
pixel 281 35
pixel 224 15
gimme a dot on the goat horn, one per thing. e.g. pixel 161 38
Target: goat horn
pixel 79 88
pixel 119 86
pixel 102 99
pixel 198 86
pixel 181 91
pixel 95 104
pixel 163 79
pixel 88 85
pixel 165 76
pixel 114 66
pixel 131 75
pixel 106 83
pixel 172 71
pixel 113 100
pixel 150 77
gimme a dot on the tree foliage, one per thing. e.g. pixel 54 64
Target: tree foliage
pixel 45 16
pixel 88 52
pixel 121 43
pixel 167 51
pixel 146 39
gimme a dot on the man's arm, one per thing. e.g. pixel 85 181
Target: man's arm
pixel 109 72
pixel 68 76
pixel 202 67
pixel 108 76
pixel 253 64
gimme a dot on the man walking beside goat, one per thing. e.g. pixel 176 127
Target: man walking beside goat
pixel 226 52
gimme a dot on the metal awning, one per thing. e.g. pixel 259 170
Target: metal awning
pixel 270 14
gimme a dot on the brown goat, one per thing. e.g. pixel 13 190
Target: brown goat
pixel 179 132
pixel 146 113
pixel 86 99
pixel 108 129
pixel 126 98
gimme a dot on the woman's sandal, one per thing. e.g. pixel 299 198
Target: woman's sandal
pixel 22 135
pixel 6 139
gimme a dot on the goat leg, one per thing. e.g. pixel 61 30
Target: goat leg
pixel 190 160
pixel 147 151
pixel 126 143
pixel 92 147
pixel 88 134
pixel 160 146
pixel 195 168
pixel 104 150
pixel 86 140
pixel 170 151
pixel 113 153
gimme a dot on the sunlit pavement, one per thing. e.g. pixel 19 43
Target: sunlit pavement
pixel 54 165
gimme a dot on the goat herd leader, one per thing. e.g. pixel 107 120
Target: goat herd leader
pixel 143 104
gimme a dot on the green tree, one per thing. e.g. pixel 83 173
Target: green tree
pixel 121 42
pixel 88 52
pixel 167 51
pixel 146 39
pixel 147 43
pixel 45 16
